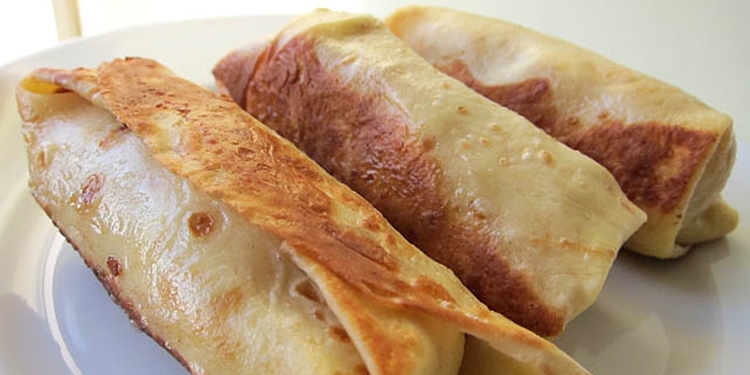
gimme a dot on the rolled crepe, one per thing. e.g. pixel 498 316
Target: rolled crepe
pixel 230 247
pixel 530 226
pixel 670 153
pixel 207 285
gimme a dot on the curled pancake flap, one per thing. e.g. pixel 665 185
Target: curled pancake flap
pixel 217 291
pixel 209 287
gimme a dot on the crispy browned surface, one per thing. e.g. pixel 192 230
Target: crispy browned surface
pixel 289 190
pixel 364 143
pixel 653 162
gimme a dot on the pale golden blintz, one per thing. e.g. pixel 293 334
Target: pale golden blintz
pixel 529 225
pixel 670 153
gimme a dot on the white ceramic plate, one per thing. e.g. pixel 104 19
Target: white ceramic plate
pixel 679 317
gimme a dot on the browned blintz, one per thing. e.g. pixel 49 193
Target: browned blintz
pixel 233 249
pixel 670 153
pixel 529 225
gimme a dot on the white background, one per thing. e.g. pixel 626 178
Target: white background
pixel 700 45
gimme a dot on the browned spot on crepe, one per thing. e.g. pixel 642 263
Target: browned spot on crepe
pixel 114 265
pixel 531 98
pixel 310 291
pixel 432 288
pixel 652 162
pixel 393 169
pixel 89 192
pixel 42 159
pixel 228 301
pixel 339 333
pixel 201 224
pixel 320 315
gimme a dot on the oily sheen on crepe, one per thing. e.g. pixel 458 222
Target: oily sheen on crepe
pixel 530 226
pixel 670 153
pixel 232 248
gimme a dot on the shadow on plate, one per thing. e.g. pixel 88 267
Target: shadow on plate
pixel 654 317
